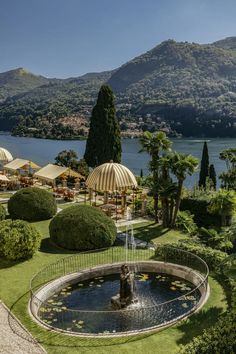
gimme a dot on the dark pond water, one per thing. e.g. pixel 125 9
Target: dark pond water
pixel 44 151
pixel 79 307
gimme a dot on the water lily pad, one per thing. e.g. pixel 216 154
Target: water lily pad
pixel 59 303
pixel 101 280
pixel 99 285
pixel 78 325
pixel 173 288
pixel 80 322
pixel 185 305
pixel 80 284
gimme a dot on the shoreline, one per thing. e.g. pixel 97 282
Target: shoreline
pixel 134 137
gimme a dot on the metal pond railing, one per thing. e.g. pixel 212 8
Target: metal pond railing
pixel 140 317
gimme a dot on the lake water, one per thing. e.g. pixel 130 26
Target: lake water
pixel 44 151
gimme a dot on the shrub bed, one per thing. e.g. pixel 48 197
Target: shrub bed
pixel 3 212
pixel 220 338
pixel 18 239
pixel 199 208
pixel 32 204
pixel 82 227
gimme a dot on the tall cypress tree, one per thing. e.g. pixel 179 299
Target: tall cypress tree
pixel 204 172
pixel 212 176
pixel 104 142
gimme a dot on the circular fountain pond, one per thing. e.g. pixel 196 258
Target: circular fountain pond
pixel 80 303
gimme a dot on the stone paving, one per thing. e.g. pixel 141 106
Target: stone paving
pixel 14 338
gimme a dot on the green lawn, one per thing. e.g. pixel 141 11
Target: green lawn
pixel 14 291
pixel 151 232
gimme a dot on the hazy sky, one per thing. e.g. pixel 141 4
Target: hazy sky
pixel 63 38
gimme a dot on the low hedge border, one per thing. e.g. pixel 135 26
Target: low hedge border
pixel 220 338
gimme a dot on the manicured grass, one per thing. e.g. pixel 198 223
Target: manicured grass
pixel 151 232
pixel 5 195
pixel 14 291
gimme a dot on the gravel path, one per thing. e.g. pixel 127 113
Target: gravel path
pixel 18 340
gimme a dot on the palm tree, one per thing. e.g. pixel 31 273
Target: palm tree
pixel 181 166
pixel 223 203
pixel 153 144
pixel 167 193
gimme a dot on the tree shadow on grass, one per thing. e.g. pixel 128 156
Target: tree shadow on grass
pixel 5 263
pixel 47 246
pixel 150 232
pixel 195 324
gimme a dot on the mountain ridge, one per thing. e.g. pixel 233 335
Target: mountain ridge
pixel 188 86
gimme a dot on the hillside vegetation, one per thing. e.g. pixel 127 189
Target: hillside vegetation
pixel 189 86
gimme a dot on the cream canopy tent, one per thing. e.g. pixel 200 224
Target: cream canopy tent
pixel 5 156
pixel 111 177
pixel 50 173
pixel 4 178
pixel 21 164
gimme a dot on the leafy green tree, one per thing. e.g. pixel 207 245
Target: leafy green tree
pixel 153 144
pixel 104 141
pixel 212 176
pixel 228 178
pixel 66 158
pixel 204 171
pixel 81 167
pixel 69 158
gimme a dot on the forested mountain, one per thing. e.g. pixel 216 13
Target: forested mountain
pixel 18 81
pixel 188 86
pixel 56 99
pixel 227 43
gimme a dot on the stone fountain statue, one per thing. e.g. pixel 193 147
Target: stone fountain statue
pixel 126 295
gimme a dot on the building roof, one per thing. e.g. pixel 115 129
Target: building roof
pixel 5 155
pixel 111 177
pixel 20 164
pixel 4 178
pixel 51 172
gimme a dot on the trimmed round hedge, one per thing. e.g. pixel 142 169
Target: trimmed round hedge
pixel 18 239
pixel 82 227
pixel 3 212
pixel 32 204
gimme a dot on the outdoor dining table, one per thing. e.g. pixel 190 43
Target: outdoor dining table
pixel 108 208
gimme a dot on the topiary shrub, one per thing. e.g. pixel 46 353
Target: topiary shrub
pixel 32 204
pixel 18 239
pixel 3 212
pixel 82 227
